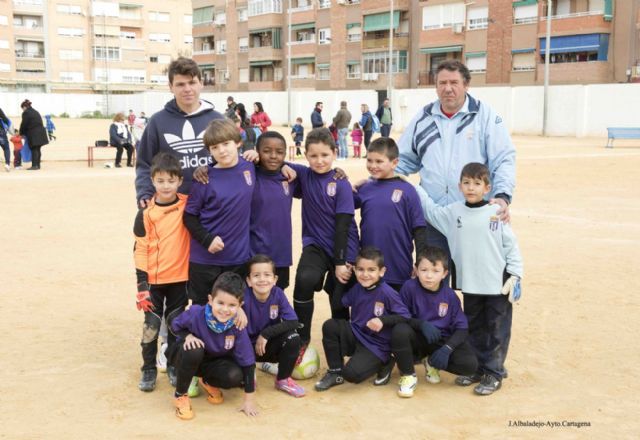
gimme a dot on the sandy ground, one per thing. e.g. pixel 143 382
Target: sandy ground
pixel 70 351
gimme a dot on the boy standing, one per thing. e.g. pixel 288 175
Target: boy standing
pixel 488 267
pixel 391 215
pixel 161 256
pixel 297 133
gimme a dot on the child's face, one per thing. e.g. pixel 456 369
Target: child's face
pixel 166 186
pixel 473 190
pixel 225 153
pixel 272 152
pixel 368 273
pixel 261 278
pixel 320 157
pixel 224 305
pixel 430 275
pixel 379 165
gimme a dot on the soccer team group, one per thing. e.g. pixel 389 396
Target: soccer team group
pixel 213 265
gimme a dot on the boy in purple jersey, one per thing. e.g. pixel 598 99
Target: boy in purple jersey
pixel 438 327
pixel 329 233
pixel 391 214
pixel 212 347
pixel 217 213
pixel 375 309
pixel 272 323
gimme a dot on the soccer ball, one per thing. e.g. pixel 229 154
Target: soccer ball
pixel 309 365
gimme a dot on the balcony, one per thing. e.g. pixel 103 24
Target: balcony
pixel 28 31
pixel 399 43
pixel 131 44
pixel 586 22
pixel 264 53
pixel 266 86
pixel 33 54
pixel 30 65
pixel 33 7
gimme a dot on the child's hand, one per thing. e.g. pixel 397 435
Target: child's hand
pixel 356 186
pixel 216 245
pixel 340 174
pixel 343 273
pixel 251 156
pixel 289 173
pixel 249 406
pixel 201 175
pixel 261 345
pixel 191 342
pixel 241 319
pixel 375 324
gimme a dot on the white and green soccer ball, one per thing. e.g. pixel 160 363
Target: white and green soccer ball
pixel 307 368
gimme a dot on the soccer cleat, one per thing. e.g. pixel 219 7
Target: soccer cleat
pixel 161 362
pixel 384 373
pixel 183 407
pixel 172 374
pixel 330 379
pixel 433 374
pixel 407 385
pixel 465 381
pixel 194 391
pixel 214 395
pixel 488 385
pixel 148 380
pixel 290 387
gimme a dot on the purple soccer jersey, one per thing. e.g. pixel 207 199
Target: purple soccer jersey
pixel 441 308
pixel 233 342
pixel 390 211
pixel 271 216
pixel 366 305
pixel 261 315
pixel 224 209
pixel 322 198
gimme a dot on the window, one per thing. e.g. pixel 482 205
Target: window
pixel 132 76
pixel 162 38
pixel 223 76
pixel 187 19
pixel 4 20
pixel 203 15
pixel 243 75
pixel 354 33
pixel 130 13
pixel 69 9
pixel 4 67
pixel 71 76
pixel 277 74
pixel 324 36
pixel 353 71
pixel 324 72
pixel 70 32
pixel 29 49
pixel 377 62
pixel 523 61
pixel 221 47
pixel 70 54
pixel 127 35
pixel 525 14
pixel 106 53
pixel 188 39
pixel 441 16
pixel 27 21
pixel 324 4
pixel 243 15
pixel 478 18
pixel 4 44
pixel 260 7
pixel 220 18
pixel 108 9
pixel 159 16
pixel 153 59
pixel 158 79
pixel 243 44
pixel 477 63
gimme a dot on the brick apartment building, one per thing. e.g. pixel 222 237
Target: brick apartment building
pixel 242 45
pixel 89 46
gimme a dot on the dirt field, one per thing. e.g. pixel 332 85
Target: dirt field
pixel 70 353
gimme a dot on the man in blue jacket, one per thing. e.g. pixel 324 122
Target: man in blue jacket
pixel 385 117
pixel 451 132
pixel 316 116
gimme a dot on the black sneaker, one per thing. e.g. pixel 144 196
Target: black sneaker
pixel 330 379
pixel 384 373
pixel 465 381
pixel 488 385
pixel 172 374
pixel 148 380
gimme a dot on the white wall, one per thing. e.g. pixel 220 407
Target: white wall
pixel 574 110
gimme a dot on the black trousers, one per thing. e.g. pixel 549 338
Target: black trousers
pixel 36 155
pixel 202 277
pixel 175 295
pixel 283 274
pixel 313 266
pixel 409 347
pixel 221 372
pixel 490 318
pixel 367 140
pixel 284 350
pixel 338 342
pixel 119 148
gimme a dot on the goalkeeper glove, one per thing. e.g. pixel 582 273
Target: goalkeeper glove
pixel 143 298
pixel 440 358
pixel 512 288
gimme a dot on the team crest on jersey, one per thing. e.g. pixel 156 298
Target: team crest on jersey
pixel 273 311
pixel 493 223
pixel 285 187
pixel 396 196
pixel 378 308
pixel 459 222
pixel 442 309
pixel 331 189
pixel 247 177
pixel 229 341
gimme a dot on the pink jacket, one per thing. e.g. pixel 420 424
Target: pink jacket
pixel 356 136
pixel 262 119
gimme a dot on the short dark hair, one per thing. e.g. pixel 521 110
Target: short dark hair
pixel 476 170
pixel 167 163
pixel 371 253
pixel 259 105
pixel 229 282
pixel 221 130
pixel 269 135
pixel 454 66
pixel 386 146
pixel 183 66
pixel 259 259
pixel 318 103
pixel 320 135
pixel 433 255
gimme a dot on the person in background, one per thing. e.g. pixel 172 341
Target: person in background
pixel 386 118
pixel 341 122
pixel 366 123
pixel 316 116
pixel 231 107
pixel 120 138
pixel 259 118
pixel 51 127
pixel 33 130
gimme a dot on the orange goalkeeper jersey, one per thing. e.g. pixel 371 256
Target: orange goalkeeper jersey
pixel 162 242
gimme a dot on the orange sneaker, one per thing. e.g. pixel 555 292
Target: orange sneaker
pixel 183 407
pixel 214 395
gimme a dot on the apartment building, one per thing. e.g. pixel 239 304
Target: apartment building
pixel 91 46
pixel 244 45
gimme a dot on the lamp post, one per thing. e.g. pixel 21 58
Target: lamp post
pixel 390 65
pixel 289 67
pixel 545 105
